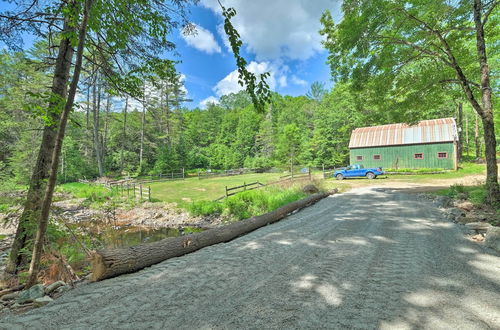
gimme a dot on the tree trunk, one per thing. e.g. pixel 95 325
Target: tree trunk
pixel 87 123
pixel 460 125
pixel 32 206
pixel 106 129
pixel 467 135
pixel 477 140
pixel 113 262
pixel 51 183
pixel 124 134
pixel 143 118
pixel 487 113
pixel 97 140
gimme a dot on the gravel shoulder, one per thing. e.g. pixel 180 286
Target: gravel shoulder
pixel 372 258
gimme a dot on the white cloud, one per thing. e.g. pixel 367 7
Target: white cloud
pixel 230 83
pixel 278 28
pixel 282 81
pixel 202 40
pixel 209 100
pixel 297 81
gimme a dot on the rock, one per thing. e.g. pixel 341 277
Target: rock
pixel 63 288
pixel 443 201
pixel 310 189
pixel 493 238
pixel 478 237
pixel 36 291
pixel 10 296
pixel 478 226
pixel 53 286
pixel 464 205
pixel 42 301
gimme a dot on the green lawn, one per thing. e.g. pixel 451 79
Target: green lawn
pixel 194 189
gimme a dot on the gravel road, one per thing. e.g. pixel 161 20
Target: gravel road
pixel 367 259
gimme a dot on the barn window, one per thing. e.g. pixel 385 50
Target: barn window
pixel 377 157
pixel 359 158
pixel 442 155
pixel 418 156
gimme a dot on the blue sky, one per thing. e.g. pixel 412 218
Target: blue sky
pixel 280 36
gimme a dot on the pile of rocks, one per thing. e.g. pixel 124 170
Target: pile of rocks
pixel 36 296
pixel 475 221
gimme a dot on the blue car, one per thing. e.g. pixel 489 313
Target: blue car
pixel 357 171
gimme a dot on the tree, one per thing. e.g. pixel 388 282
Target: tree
pixel 317 91
pixel 146 24
pixel 391 43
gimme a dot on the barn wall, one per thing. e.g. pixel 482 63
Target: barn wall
pixel 403 156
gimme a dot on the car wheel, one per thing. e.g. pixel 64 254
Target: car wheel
pixel 339 177
pixel 370 175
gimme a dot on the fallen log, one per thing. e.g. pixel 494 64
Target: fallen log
pixel 112 262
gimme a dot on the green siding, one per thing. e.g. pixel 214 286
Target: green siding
pixel 402 156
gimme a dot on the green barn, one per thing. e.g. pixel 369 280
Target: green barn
pixel 429 144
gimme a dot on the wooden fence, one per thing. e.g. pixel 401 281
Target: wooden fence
pixel 255 185
pixel 207 175
pixel 244 187
pixel 132 190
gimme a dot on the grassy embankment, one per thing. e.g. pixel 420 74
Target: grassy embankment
pixel 197 196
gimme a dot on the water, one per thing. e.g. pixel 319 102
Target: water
pixel 117 237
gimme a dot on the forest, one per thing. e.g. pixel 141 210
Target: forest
pixel 112 134
pixel 94 96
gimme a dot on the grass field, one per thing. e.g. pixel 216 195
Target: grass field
pixel 193 189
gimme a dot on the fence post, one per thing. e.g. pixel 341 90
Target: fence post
pixel 172 174
pixel 183 174
pixel 134 190
pixel 226 191
pixel 244 186
pixel 140 190
pixel 149 193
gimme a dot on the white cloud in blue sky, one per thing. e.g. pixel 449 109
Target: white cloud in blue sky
pixel 279 36
pixel 209 100
pixel 203 40
pixel 277 28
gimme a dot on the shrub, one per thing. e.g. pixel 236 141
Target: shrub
pixel 456 190
pixel 204 208
pixel 248 203
pixel 92 193
pixel 478 196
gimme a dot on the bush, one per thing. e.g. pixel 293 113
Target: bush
pixel 92 193
pixel 456 190
pixel 478 196
pixel 204 208
pixel 248 203
pixel 414 170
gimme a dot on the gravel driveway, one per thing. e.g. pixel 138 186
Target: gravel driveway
pixel 367 259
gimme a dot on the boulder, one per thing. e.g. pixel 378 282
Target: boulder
pixel 492 239
pixel 63 288
pixel 51 287
pixel 478 226
pixel 10 296
pixel 464 205
pixel 36 291
pixel 310 189
pixel 42 301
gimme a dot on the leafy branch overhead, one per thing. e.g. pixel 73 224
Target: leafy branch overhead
pixel 258 91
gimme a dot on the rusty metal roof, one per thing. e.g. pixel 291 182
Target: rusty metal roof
pixel 426 131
